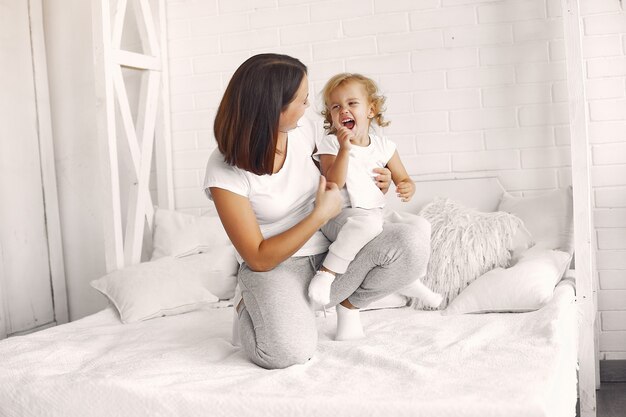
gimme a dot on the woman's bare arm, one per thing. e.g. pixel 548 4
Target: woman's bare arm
pixel 242 227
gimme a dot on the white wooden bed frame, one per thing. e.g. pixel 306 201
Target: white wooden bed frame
pixel 152 130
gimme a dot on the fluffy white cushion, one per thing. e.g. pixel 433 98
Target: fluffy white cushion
pixel 153 289
pixel 465 243
pixel 548 217
pixel 526 286
pixel 178 234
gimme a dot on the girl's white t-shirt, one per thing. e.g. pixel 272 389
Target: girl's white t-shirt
pixel 281 200
pixel 361 189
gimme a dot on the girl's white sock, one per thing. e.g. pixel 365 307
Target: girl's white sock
pixel 421 291
pixel 319 288
pixel 349 325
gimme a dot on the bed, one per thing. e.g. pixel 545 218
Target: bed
pixel 412 362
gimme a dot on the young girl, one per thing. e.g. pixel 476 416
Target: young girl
pixel 347 157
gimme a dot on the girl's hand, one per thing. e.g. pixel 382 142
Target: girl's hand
pixel 383 179
pixel 345 138
pixel 328 200
pixel 405 190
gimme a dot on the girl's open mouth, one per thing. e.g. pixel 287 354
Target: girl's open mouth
pixel 349 123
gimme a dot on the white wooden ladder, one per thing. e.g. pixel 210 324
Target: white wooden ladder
pixel 148 132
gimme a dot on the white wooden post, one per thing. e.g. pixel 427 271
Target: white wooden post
pixel 4 308
pixel 163 150
pixel 139 207
pixel 583 220
pixel 105 113
pixel 123 247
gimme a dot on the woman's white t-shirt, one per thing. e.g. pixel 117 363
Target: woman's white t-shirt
pixel 281 200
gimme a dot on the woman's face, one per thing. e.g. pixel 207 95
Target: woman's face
pixel 295 110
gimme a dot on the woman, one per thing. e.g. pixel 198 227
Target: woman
pixel 272 202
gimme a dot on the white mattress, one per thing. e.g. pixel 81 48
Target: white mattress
pixel 412 363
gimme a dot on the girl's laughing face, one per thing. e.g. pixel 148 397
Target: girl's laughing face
pixel 350 107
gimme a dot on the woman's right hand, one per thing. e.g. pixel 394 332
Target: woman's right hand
pixel 328 200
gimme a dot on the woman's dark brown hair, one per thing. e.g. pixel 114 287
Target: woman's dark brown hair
pixel 246 123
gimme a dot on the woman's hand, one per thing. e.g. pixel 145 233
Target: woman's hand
pixel 383 179
pixel 328 200
pixel 263 254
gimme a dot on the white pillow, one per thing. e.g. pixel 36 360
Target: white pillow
pixel 465 243
pixel 178 234
pixel 526 286
pixel 147 290
pixel 181 235
pixel 548 217
pixel 217 269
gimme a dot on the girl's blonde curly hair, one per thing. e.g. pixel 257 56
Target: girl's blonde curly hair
pixel 375 99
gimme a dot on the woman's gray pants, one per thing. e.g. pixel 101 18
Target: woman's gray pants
pixel 277 324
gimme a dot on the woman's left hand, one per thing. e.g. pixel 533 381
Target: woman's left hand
pixel 383 179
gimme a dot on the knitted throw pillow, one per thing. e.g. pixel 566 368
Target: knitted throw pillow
pixel 465 243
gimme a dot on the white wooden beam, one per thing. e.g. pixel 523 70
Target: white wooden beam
pixel 165 182
pixel 130 132
pixel 48 171
pixel 4 308
pixel 583 219
pixel 105 114
pixel 136 205
pixel 145 26
pixel 126 115
pixel 135 60
pixel 146 115
pixel 119 14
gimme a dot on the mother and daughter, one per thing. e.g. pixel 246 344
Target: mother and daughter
pixel 281 214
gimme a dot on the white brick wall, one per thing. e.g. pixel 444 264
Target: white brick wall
pixel 474 87
pixel 605 57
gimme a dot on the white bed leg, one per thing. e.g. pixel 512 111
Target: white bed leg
pixel 587 359
pixel 583 220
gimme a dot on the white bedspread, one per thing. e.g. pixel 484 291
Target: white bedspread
pixel 411 364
